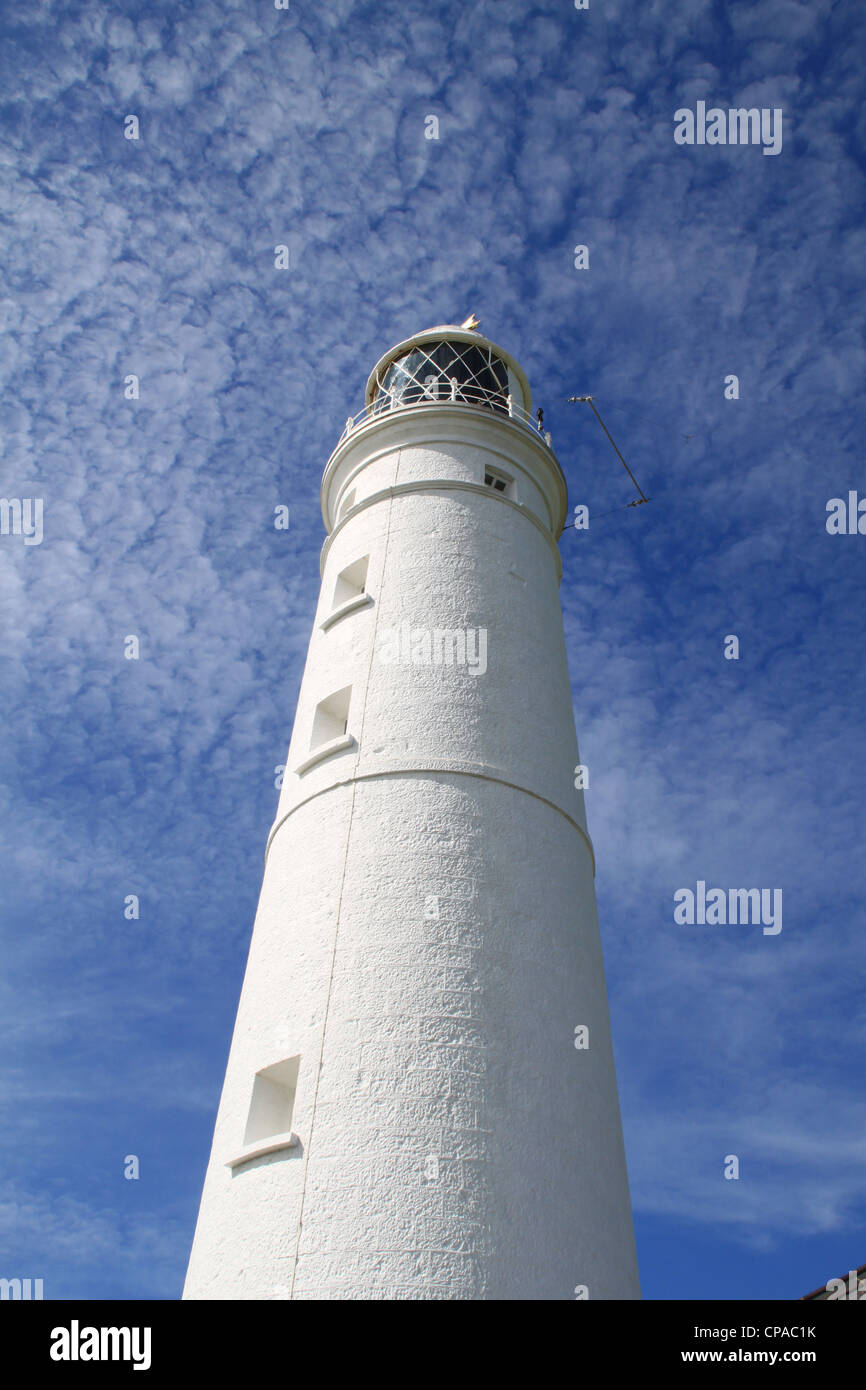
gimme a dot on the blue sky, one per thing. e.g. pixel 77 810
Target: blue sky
pixel 155 777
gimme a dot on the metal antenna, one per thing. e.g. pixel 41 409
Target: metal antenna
pixel 591 403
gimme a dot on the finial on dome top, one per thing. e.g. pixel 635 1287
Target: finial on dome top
pixel 471 323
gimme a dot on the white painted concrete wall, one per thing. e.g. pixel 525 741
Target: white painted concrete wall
pixel 452 1142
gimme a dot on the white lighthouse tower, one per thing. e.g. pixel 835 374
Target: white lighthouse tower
pixel 420 1100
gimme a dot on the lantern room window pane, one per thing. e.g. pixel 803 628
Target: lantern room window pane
pixel 443 371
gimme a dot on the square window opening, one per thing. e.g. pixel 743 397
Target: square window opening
pixel 273 1101
pixel 351 582
pixel 499 482
pixel 331 718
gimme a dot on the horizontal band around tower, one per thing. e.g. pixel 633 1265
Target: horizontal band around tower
pixel 501 457
pixel 438 485
pixel 452 769
pixel 468 425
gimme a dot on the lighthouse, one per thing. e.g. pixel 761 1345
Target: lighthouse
pixel 420 1099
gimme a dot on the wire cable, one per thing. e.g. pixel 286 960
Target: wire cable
pixel 638 501
pixel 591 403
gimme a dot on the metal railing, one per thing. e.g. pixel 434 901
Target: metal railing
pixel 454 393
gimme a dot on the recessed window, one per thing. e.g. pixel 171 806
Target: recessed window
pixel 273 1101
pixel 330 734
pixel 351 582
pixel 350 593
pixel 499 482
pixel 269 1118
pixel 331 719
